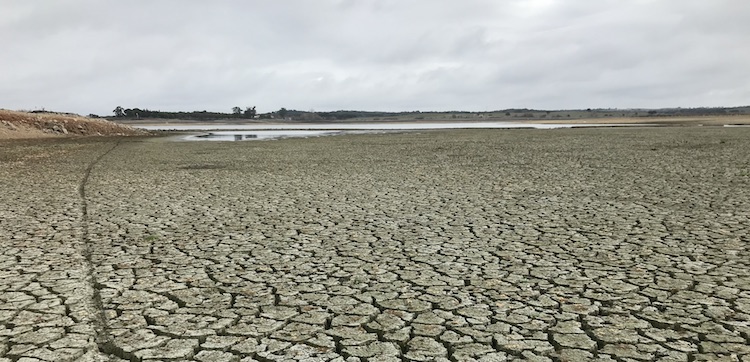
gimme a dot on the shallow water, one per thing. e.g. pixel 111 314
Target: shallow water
pixel 257 135
pixel 246 132
pixel 358 126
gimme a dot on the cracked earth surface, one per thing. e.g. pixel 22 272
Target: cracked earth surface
pixel 491 245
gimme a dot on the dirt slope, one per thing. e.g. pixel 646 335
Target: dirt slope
pixel 14 125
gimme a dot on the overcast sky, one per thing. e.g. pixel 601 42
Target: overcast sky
pixel 89 56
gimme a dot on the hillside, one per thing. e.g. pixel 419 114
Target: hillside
pixel 663 115
pixel 15 124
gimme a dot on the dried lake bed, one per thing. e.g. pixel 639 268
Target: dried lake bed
pixel 623 244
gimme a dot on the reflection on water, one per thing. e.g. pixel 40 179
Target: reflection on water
pixel 257 135
pixel 400 126
pixel 276 131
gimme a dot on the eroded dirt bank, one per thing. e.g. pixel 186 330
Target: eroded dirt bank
pixel 27 125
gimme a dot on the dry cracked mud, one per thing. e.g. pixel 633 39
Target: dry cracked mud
pixel 491 245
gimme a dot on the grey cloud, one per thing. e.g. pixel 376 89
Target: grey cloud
pixel 89 56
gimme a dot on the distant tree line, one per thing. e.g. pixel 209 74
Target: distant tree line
pixel 699 111
pixel 136 113
pixel 516 112
pixel 334 115
pixel 250 113
pixel 510 114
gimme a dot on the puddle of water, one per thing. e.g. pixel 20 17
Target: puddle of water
pixel 257 135
pixel 357 126
pixel 275 131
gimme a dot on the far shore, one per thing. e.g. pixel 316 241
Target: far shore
pixel 661 121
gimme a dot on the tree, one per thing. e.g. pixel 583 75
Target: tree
pixel 119 112
pixel 132 113
pixel 236 110
pixel 250 112
pixel 282 112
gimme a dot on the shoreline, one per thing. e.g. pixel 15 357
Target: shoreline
pixel 677 121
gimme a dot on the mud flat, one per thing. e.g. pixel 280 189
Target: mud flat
pixel 476 245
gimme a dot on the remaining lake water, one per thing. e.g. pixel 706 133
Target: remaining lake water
pixel 255 132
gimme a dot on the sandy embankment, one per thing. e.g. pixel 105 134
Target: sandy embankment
pixel 19 125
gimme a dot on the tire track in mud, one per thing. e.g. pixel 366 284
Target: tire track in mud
pixel 96 309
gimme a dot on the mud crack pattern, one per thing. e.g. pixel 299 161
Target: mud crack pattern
pixel 566 245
